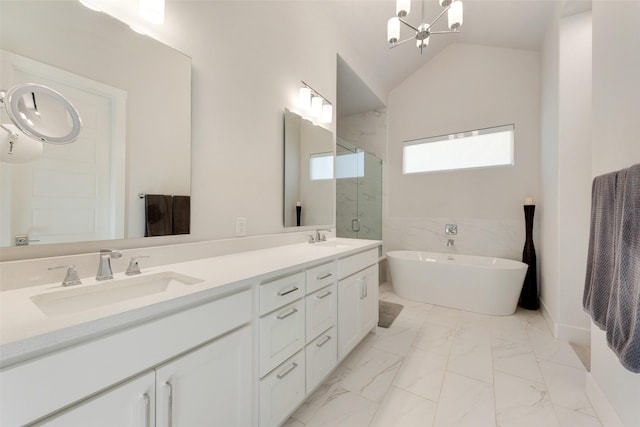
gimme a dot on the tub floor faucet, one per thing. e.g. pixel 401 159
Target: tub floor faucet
pixel 104 267
pixel 450 242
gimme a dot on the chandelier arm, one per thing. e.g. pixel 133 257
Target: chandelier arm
pixel 396 44
pixel 444 32
pixel 440 16
pixel 409 25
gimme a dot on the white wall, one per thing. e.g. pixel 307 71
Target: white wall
pixel 616 109
pixel 566 162
pixel 465 87
pixel 248 60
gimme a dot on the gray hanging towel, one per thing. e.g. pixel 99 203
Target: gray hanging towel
pixel 158 211
pixel 601 252
pixel 181 214
pixel 623 318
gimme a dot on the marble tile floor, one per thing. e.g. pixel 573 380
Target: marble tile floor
pixel 443 367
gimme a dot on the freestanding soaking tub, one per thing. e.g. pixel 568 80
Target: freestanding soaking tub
pixel 474 283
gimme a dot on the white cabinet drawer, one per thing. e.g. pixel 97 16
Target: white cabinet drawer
pixel 282 391
pixel 321 311
pixel 281 335
pixel 349 265
pixel 321 276
pixel 281 291
pixel 322 357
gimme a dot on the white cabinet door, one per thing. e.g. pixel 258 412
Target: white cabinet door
pixel 348 315
pixel 131 404
pixel 210 386
pixel 369 299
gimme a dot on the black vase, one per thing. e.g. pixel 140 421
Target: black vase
pixel 529 293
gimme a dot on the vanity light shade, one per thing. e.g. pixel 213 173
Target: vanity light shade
pixel 152 10
pixel 455 15
pixel 304 98
pixel 403 7
pixel 327 113
pixel 393 30
pixel 316 106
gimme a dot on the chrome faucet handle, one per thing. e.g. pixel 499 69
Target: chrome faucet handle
pixel 312 239
pixel 71 278
pixel 134 266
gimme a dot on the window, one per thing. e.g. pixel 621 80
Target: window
pixel 476 149
pixel 350 165
pixel 321 166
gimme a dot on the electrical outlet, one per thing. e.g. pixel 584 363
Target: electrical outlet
pixel 241 226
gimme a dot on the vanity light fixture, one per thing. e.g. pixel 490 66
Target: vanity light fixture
pixel 152 10
pixel 314 104
pixel 422 32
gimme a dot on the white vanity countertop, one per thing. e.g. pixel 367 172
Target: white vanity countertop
pixel 26 332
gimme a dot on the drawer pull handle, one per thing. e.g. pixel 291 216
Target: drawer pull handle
pixel 324 294
pixel 283 292
pixel 323 341
pixel 324 276
pixel 147 410
pixel 287 314
pixel 169 404
pixel 287 371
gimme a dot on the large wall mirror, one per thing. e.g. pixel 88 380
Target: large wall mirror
pixel 134 97
pixel 309 178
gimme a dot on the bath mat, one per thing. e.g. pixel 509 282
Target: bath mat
pixel 388 311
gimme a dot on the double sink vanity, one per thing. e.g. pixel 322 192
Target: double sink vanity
pixel 232 340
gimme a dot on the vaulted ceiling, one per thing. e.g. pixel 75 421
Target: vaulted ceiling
pixel 517 24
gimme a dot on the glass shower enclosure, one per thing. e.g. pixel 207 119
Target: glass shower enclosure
pixel 358 193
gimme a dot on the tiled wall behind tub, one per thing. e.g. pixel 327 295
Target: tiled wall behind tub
pixel 484 237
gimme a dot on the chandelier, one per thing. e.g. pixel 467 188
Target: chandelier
pixel 453 8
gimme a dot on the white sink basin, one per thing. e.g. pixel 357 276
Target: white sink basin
pixel 86 297
pixel 334 243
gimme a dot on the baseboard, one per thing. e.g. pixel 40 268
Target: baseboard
pixel 546 315
pixel 599 401
pixel 573 334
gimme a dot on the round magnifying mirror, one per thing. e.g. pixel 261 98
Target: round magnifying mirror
pixel 42 113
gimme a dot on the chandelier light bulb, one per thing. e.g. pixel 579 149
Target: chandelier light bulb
pixel 304 98
pixel 393 30
pixel 403 7
pixel 316 106
pixel 152 10
pixel 455 15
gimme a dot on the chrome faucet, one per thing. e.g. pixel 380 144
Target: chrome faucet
pixel 449 242
pixel 319 237
pixel 104 267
